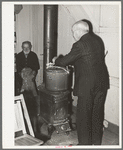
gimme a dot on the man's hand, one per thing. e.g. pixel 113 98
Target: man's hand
pixel 53 60
pixel 34 73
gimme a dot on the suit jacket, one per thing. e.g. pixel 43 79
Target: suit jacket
pixel 87 56
pixel 30 62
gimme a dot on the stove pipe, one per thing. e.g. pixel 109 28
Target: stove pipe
pixel 50 34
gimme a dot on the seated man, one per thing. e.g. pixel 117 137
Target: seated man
pixel 27 65
pixel 27 59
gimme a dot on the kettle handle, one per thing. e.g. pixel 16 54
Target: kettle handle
pixel 59 68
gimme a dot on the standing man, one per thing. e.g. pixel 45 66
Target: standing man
pixel 91 81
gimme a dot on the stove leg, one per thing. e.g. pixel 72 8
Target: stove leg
pixel 67 133
pixel 51 129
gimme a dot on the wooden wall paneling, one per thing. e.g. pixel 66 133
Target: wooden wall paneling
pixel 93 13
pixel 65 39
pixel 112 104
pixel 109 16
pixel 40 25
pixel 111 41
pixel 109 31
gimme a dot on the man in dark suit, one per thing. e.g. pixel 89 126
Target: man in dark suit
pixel 27 67
pixel 27 58
pixel 91 81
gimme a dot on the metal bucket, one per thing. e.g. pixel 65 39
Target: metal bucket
pixel 57 79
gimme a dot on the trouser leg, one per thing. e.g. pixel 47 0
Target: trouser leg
pixel 37 113
pixel 98 117
pixel 84 119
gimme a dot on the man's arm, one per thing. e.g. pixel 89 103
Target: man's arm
pixel 19 64
pixel 36 65
pixel 69 58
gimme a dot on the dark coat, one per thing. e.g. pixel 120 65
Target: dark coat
pixel 87 56
pixel 30 62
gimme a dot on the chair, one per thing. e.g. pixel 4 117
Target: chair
pixel 21 120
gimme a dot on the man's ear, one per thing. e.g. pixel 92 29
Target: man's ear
pixel 60 56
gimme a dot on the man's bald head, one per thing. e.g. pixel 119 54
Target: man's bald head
pixel 80 28
pixel 80 25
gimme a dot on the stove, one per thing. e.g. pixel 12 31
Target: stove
pixel 54 108
pixel 53 105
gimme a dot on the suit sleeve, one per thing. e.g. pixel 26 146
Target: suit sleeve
pixel 19 65
pixel 36 65
pixel 71 57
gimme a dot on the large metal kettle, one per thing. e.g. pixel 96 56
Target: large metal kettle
pixel 57 78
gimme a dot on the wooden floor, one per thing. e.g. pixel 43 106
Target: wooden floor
pixel 110 136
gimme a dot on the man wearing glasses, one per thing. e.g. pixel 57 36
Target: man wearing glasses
pixel 27 59
pixel 27 65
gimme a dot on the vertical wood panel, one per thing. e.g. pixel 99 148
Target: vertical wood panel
pixel 37 31
pixel 40 43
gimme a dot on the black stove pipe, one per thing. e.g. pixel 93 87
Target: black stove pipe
pixel 50 34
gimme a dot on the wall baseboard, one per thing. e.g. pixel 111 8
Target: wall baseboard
pixel 111 127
